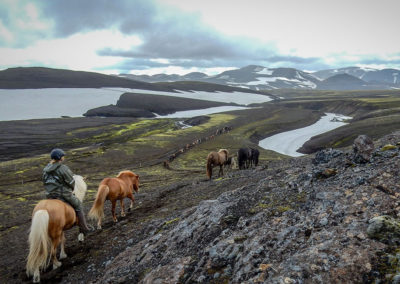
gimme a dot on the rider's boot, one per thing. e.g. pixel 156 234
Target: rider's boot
pixel 83 226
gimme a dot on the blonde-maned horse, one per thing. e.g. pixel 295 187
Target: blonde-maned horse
pixel 216 159
pixel 114 189
pixel 50 218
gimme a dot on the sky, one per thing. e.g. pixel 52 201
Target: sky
pixel 210 36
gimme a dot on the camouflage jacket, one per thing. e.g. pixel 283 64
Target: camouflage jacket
pixel 57 178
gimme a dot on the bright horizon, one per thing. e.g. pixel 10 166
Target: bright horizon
pixel 179 37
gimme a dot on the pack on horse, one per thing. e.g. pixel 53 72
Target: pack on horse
pixel 50 218
pixel 216 159
pixel 114 189
pixel 230 163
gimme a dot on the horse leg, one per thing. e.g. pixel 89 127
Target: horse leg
pixel 121 201
pixel 221 171
pixel 113 204
pixel 56 263
pixel 36 276
pixel 99 224
pixel 132 198
pixel 62 253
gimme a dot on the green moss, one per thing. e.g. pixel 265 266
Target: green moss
pixel 388 147
pixel 282 209
pixel 240 239
pixel 171 221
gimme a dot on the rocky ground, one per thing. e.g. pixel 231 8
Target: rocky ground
pixel 313 219
pixel 301 220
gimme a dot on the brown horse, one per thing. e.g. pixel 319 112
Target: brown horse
pixel 216 159
pixel 50 218
pixel 114 189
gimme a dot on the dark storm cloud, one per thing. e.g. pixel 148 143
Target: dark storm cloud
pixel 75 16
pixel 183 39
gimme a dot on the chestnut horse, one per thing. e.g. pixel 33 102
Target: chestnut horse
pixel 50 218
pixel 216 159
pixel 114 189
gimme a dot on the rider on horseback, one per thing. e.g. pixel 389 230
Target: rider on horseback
pixel 59 183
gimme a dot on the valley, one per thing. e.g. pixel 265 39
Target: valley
pixel 99 147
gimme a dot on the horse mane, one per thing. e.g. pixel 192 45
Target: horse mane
pixel 126 173
pixel 80 187
pixel 225 151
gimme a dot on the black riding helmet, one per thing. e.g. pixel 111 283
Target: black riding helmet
pixel 57 154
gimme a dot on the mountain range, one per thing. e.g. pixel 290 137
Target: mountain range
pixel 253 78
pixel 262 78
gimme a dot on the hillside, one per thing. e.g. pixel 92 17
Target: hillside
pixel 300 220
pixel 342 82
pixel 40 77
pixel 293 220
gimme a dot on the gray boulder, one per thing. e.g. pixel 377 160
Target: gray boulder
pixel 363 148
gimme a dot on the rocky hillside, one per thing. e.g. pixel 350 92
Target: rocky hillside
pixel 304 220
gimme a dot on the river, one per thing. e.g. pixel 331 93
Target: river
pixel 289 142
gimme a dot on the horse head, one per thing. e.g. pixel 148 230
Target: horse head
pixel 131 177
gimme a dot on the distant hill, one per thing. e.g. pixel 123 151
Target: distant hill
pixel 253 78
pixel 257 77
pixel 385 77
pixel 343 82
pixel 40 77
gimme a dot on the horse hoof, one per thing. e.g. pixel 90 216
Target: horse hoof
pixel 98 227
pixel 56 264
pixel 64 255
pixel 81 238
pixel 36 279
pixel 123 215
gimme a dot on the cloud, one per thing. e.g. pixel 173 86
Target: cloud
pixel 182 39
pixel 21 23
pixel 161 36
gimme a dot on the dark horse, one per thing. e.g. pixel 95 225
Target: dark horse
pixel 216 159
pixel 247 157
pixel 244 158
pixel 254 156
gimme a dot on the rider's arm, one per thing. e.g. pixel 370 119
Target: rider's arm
pixel 68 176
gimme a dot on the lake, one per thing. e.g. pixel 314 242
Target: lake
pixel 21 104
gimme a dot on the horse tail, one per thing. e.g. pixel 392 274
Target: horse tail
pixel 209 166
pixel 39 243
pixel 97 210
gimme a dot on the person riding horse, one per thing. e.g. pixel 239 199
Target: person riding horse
pixel 59 183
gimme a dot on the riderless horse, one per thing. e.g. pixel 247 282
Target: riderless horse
pixel 114 189
pixel 216 159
